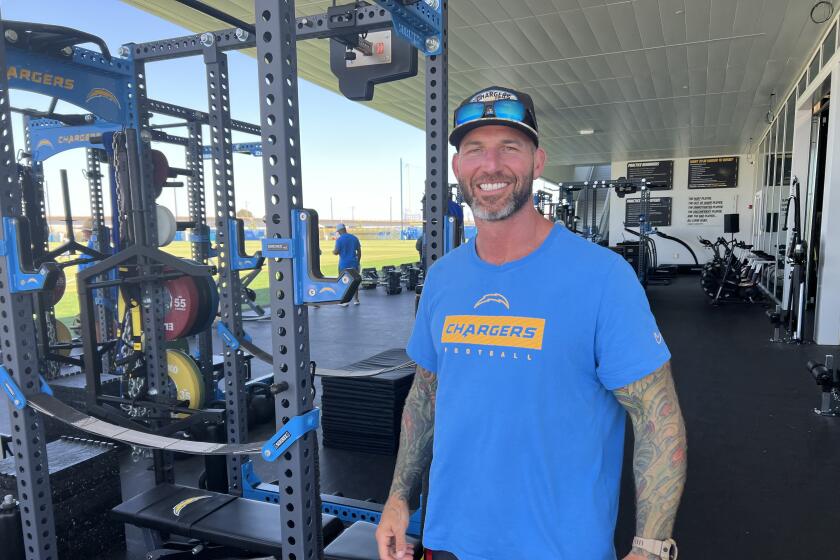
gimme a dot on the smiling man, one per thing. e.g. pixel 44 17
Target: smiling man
pixel 532 347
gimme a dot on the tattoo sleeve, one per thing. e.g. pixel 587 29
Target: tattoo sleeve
pixel 660 453
pixel 418 425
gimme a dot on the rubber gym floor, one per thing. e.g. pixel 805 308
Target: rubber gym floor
pixel 763 468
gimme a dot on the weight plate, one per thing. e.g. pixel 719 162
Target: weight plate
pixel 203 302
pixel 166 225
pixel 62 335
pixel 161 171
pixel 51 298
pixel 184 373
pixel 181 304
pixel 210 305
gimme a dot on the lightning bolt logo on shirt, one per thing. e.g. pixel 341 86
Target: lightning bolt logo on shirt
pixel 492 298
pixel 494 330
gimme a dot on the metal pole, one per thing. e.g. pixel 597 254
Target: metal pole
pixel 230 286
pixel 22 361
pixel 297 470
pixel 402 208
pixel 437 156
pixel 68 211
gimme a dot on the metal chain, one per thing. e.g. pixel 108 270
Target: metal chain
pixel 117 151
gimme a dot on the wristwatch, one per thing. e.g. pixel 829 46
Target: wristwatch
pixel 666 550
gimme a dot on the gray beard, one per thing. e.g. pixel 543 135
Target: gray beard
pixel 515 202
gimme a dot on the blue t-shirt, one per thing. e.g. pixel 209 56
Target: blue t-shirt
pixel 528 434
pixel 347 244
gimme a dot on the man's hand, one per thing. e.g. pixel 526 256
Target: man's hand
pixel 390 534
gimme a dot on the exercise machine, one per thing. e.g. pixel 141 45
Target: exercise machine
pixel 288 250
pixel 828 378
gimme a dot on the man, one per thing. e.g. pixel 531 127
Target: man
pixel 349 252
pixel 532 345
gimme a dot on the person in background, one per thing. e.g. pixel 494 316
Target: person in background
pixel 349 252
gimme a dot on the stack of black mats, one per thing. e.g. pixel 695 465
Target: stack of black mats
pixel 363 413
pixel 85 482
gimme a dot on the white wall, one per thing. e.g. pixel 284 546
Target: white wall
pixel 827 329
pixel 738 200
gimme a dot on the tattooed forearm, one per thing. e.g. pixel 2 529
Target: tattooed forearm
pixel 418 424
pixel 659 457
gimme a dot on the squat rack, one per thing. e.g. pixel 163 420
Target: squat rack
pixel 277 30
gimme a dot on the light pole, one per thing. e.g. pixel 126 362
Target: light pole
pixel 402 212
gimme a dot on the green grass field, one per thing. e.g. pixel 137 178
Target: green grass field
pixel 375 254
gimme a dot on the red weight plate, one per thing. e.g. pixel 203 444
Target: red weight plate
pixel 182 303
pixel 203 301
pixel 161 170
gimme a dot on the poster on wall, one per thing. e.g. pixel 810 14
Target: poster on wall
pixel 705 211
pixel 660 212
pixel 713 173
pixel 660 173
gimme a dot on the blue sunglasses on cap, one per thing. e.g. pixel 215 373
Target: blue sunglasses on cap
pixel 507 109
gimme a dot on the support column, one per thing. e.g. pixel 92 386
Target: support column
pixel 297 470
pixel 200 240
pixel 230 300
pixel 20 358
pixel 437 147
pixel 827 324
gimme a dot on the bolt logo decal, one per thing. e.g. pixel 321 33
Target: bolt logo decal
pixel 179 507
pixel 96 93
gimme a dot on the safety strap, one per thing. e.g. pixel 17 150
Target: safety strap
pixel 264 356
pixel 47 404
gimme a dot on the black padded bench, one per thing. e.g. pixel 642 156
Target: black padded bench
pixel 212 517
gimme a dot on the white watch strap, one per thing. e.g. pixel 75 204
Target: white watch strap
pixel 666 550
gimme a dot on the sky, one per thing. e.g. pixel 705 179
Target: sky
pixel 350 154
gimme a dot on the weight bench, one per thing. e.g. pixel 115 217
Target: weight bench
pixel 215 518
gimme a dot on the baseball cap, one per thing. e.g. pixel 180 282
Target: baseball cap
pixel 495 105
pixel 340 227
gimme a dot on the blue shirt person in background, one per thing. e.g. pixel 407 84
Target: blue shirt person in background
pixel 532 347
pixel 349 252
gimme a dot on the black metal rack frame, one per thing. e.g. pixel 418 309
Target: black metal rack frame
pixel 277 33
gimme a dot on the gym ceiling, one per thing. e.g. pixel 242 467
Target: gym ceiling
pixel 651 78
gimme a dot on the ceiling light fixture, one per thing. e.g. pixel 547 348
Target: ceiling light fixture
pixel 586 131
pixel 821 12
pixel 679 12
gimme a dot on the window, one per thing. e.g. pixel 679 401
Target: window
pixel 829 44
pixel 814 68
pixel 803 83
